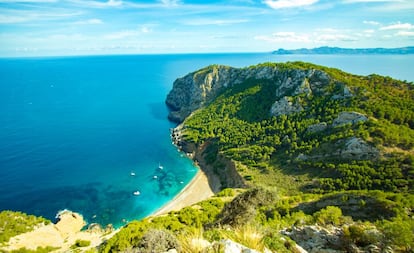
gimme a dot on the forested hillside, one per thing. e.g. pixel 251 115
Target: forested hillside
pixel 350 133
pixel 326 160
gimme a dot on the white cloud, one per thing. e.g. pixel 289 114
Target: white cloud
pixel 370 22
pixel 122 35
pixel 284 37
pixel 10 19
pixel 280 4
pixel 170 2
pixel 145 29
pixel 324 35
pixel 25 16
pixel 93 21
pixel 200 22
pixel 98 4
pixel 371 1
pixel 405 33
pixel 398 26
pixel 323 38
pixel 28 1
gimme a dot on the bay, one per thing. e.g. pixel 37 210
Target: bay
pixel 73 129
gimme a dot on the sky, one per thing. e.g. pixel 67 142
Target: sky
pixel 89 27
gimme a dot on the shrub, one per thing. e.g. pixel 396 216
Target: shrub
pixel 329 215
pixel 82 243
pixel 158 241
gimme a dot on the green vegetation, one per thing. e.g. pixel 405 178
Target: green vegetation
pixel 297 177
pixel 14 223
pixel 81 243
pixel 37 250
pixel 302 181
pixel 239 123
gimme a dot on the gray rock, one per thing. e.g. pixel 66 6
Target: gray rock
pixel 358 149
pixel 346 93
pixel 233 247
pixel 285 106
pixel 349 118
pixel 315 128
pixel 316 239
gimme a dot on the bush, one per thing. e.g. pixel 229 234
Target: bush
pixel 159 241
pixel 82 243
pixel 228 192
pixel 243 208
pixel 329 215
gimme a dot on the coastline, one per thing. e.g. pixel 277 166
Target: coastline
pixel 197 190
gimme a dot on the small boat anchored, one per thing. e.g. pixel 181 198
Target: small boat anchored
pixel 132 173
pixel 160 166
pixel 136 193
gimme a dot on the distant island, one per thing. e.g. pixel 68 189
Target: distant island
pixel 339 50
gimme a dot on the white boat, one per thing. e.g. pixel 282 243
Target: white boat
pixel 132 173
pixel 136 193
pixel 155 177
pixel 160 167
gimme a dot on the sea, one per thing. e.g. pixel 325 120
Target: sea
pixel 91 134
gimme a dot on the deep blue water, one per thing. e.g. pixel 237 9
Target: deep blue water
pixel 72 129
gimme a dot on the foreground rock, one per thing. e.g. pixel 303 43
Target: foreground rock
pixel 316 239
pixel 60 236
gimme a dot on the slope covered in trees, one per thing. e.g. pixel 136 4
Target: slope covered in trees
pixel 313 141
pixel 327 158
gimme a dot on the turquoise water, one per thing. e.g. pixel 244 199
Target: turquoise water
pixel 72 129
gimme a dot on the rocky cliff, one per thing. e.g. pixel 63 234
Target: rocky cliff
pixel 199 88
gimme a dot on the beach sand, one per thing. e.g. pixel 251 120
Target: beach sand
pixel 61 235
pixel 197 190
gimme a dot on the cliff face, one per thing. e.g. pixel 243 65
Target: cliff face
pixel 199 88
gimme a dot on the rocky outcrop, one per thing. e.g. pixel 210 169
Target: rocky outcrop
pixel 358 149
pixel 199 88
pixel 346 93
pixel 315 128
pixel 285 106
pixel 345 149
pixel 315 239
pixel 349 118
pixel 233 247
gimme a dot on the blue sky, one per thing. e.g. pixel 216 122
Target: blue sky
pixel 78 27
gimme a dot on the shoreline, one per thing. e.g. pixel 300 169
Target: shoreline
pixel 198 189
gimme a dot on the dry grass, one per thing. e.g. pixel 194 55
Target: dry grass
pixel 193 241
pixel 248 236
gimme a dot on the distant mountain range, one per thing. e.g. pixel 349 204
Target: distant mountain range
pixel 338 50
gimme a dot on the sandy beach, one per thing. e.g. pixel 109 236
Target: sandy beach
pixel 61 235
pixel 197 190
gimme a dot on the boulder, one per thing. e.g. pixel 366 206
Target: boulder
pixel 315 128
pixel 358 149
pixel 233 247
pixel 285 106
pixel 349 118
